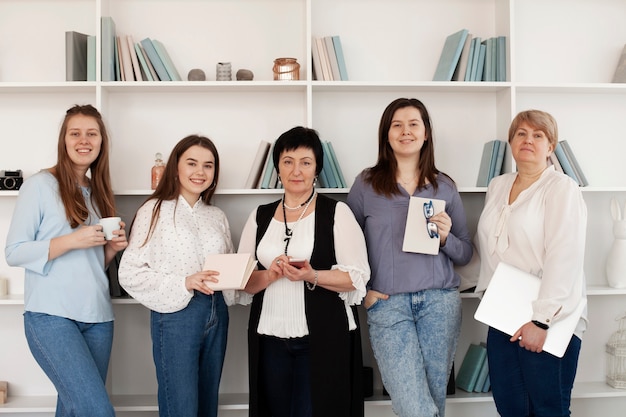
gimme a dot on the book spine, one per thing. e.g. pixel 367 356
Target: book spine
pixel 341 61
pixel 167 61
pixel 107 39
pixel 333 155
pixel 567 168
pixel 144 65
pixel 569 153
pixel 91 58
pixel 155 60
pixel 332 57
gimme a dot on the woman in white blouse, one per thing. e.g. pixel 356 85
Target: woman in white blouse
pixel 162 268
pixel 303 335
pixel 535 219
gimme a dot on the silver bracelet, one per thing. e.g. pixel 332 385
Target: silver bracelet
pixel 308 284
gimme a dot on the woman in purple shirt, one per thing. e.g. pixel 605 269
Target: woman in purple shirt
pixel 413 304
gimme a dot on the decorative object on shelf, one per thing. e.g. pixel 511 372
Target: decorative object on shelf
pixel 223 71
pixel 616 259
pixel 620 70
pixel 196 74
pixel 616 361
pixel 11 180
pixel 157 170
pixel 244 75
pixel 4 287
pixel 4 391
pixel 286 69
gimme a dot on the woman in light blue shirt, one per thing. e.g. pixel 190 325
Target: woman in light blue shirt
pixel 55 236
pixel 413 304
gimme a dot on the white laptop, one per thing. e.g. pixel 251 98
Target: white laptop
pixel 507 305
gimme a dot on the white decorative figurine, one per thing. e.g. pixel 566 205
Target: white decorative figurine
pixel 616 259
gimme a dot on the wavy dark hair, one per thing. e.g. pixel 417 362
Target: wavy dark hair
pixel 102 197
pixel 382 176
pixel 169 186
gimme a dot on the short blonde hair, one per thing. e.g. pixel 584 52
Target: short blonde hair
pixel 539 120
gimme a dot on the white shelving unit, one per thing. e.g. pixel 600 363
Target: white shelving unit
pixel 391 49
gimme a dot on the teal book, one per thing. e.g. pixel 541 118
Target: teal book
pixel 501 58
pixel 148 46
pixel 480 67
pixel 497 164
pixel 145 70
pixel 323 179
pixel 477 44
pixel 482 376
pixel 341 61
pixel 487 384
pixel 569 153
pixel 268 169
pixel 167 61
pixel 486 74
pixel 459 72
pixel 450 55
pixel 91 58
pixel 567 167
pixel 332 165
pixel 470 61
pixel 327 170
pixel 485 163
pixel 492 163
pixel 333 155
pixel 470 368
pixel 107 45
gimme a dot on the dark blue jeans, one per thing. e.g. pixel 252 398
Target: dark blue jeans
pixel 75 356
pixel 285 375
pixel 189 348
pixel 527 384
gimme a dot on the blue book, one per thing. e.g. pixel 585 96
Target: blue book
pixel 485 163
pixel 327 170
pixel 477 42
pixel 569 154
pixel 107 39
pixel 333 157
pixel 470 61
pixel 268 169
pixel 494 158
pixel 482 376
pixel 331 163
pixel 470 368
pixel 481 63
pixel 450 55
pixel 144 65
pixel 501 58
pixel 323 178
pixel 340 59
pixel 487 384
pixel 497 167
pixel 155 60
pixel 91 58
pixel 167 61
pixel 567 167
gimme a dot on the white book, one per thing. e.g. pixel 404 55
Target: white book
pixel 507 306
pixel 234 268
pixel 416 236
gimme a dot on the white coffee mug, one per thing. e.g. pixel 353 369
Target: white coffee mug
pixel 109 224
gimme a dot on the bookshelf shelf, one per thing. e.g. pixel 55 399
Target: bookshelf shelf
pixel 148 117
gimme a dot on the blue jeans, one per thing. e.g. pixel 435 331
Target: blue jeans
pixel 285 374
pixel 189 348
pixel 530 384
pixel 75 356
pixel 414 338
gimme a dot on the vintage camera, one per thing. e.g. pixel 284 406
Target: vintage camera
pixel 11 180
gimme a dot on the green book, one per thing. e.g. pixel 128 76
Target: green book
pixel 470 368
pixel 450 54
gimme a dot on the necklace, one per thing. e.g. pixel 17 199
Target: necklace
pixel 298 206
pixel 288 231
pixel 405 183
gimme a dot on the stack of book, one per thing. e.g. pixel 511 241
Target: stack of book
pixel 328 61
pixel 564 161
pixel 465 57
pixel 123 59
pixel 473 375
pixel 80 56
pixel 491 162
pixel 263 175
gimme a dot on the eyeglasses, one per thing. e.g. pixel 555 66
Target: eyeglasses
pixel 431 227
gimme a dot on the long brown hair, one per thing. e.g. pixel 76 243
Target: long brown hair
pixel 102 197
pixel 169 186
pixel 382 176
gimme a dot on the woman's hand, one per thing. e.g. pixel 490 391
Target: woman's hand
pixel 293 273
pixel 119 241
pixel 87 237
pixel 372 296
pixel 530 337
pixel 444 225
pixel 201 281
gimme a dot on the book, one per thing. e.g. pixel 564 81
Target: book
pixel 470 367
pixel 487 384
pixel 326 72
pixel 118 64
pixel 154 58
pixel 145 70
pixel 477 42
pixel 153 73
pixel 555 161
pixel 569 154
pixel 341 61
pixel 461 68
pixel 450 55
pixel 256 168
pixel 120 59
pixel 107 45
pixel 470 60
pixel 493 162
pixel 486 74
pixel 480 66
pixel 315 57
pixel 327 172
pixel 497 169
pixel 133 57
pixel 75 56
pixel 167 61
pixel 489 152
pixel 333 157
pixel 416 234
pixel 332 58
pixel 620 71
pixel 501 58
pixel 506 305
pixel 91 58
pixel 234 268
pixel 567 167
pixel 482 375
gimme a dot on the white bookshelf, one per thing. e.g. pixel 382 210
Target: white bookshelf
pixel 391 49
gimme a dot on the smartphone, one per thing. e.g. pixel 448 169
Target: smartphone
pixel 298 263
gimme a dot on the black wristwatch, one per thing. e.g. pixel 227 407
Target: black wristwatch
pixel 540 325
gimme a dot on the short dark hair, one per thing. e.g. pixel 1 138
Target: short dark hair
pixel 300 137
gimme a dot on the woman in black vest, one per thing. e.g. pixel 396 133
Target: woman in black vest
pixel 303 335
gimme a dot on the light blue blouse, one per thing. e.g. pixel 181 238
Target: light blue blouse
pixel 74 285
